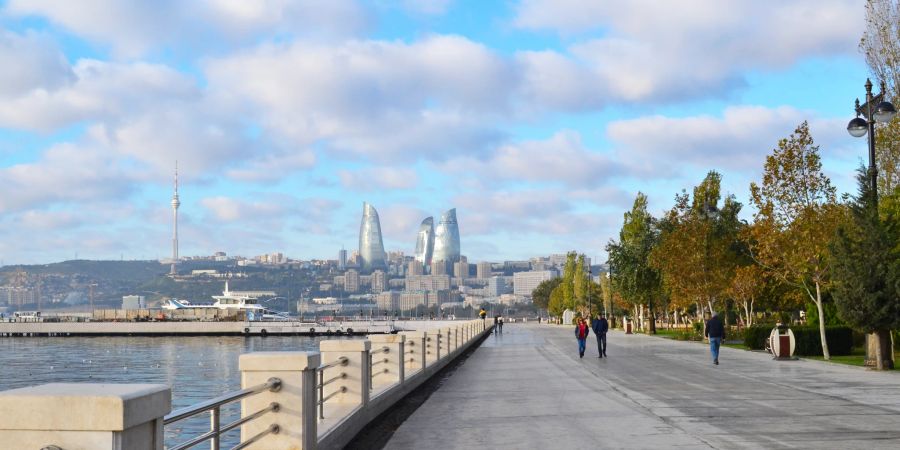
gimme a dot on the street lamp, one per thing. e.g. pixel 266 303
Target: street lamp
pixel 876 109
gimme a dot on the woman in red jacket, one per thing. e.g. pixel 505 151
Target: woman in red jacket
pixel 581 333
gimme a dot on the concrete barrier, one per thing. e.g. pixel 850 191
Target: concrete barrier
pixel 314 400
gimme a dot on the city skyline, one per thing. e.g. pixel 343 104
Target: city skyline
pixel 538 120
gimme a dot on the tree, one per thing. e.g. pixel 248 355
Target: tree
pixel 540 297
pixel 747 284
pixel 866 271
pixel 796 217
pixel 633 275
pixel 698 245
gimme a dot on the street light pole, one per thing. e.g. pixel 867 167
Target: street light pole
pixel 876 109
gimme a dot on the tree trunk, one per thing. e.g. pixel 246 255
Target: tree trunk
pixel 750 317
pixel 879 358
pixel 747 313
pixel 825 353
pixel 652 315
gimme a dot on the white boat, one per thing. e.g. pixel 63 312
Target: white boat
pixel 231 301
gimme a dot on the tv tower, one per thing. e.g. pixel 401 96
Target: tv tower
pixel 175 204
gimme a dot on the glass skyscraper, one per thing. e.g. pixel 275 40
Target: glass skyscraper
pixel 425 242
pixel 371 246
pixel 446 239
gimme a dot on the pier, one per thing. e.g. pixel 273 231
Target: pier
pixel 288 399
pixel 210 328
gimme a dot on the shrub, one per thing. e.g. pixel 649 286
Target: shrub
pixel 808 342
pixel 698 328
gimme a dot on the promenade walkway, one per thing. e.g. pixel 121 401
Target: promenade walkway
pixel 527 388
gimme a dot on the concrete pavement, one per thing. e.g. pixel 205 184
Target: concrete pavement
pixel 527 388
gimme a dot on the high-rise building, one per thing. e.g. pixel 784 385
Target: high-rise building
pixel 446 240
pixel 483 270
pixel 440 267
pixel 427 283
pixel 351 281
pixel 388 301
pixel 525 282
pixel 378 281
pixel 415 268
pixel 371 247
pixel 461 268
pixel 342 259
pixel 425 242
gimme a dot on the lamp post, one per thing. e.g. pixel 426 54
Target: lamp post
pixel 875 109
pixel 590 306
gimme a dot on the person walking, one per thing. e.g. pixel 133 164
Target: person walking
pixel 716 333
pixel 581 333
pixel 496 324
pixel 500 322
pixel 600 327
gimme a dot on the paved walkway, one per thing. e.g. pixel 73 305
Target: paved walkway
pixel 527 388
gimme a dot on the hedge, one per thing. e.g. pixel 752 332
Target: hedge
pixel 808 343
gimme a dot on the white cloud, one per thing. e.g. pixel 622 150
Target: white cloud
pixel 428 7
pixel 383 101
pixel 30 61
pixel 135 27
pixel 662 51
pixel 379 178
pixel 739 140
pixel 561 159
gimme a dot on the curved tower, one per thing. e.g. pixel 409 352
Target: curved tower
pixel 425 242
pixel 446 239
pixel 371 247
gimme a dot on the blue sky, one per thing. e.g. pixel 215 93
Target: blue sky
pixel 539 120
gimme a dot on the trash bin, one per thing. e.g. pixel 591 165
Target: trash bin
pixel 782 343
pixel 627 326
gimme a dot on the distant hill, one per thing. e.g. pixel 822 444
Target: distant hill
pixel 122 271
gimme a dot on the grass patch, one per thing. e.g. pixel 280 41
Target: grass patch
pixel 856 358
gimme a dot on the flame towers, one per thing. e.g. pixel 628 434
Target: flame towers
pixel 446 239
pixel 425 242
pixel 371 247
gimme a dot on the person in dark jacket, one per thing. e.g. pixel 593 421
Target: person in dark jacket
pixel 716 333
pixel 581 333
pixel 600 327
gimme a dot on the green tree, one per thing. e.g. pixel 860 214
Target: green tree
pixel 796 217
pixel 866 271
pixel 541 294
pixel 633 276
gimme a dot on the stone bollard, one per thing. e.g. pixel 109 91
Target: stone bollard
pixel 387 359
pixel 432 347
pixel 296 416
pixel 415 353
pixel 80 416
pixel 355 386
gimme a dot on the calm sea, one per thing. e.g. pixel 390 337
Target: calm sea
pixel 197 368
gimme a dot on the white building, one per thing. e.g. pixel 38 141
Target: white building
pixel 525 282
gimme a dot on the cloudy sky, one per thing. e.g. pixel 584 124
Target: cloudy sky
pixel 538 120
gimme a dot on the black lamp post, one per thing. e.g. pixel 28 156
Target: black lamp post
pixel 590 306
pixel 875 109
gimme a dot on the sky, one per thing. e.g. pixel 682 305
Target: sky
pixel 539 120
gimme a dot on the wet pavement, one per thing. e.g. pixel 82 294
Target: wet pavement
pixel 527 388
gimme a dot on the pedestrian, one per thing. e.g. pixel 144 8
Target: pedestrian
pixel 581 333
pixel 482 314
pixel 716 333
pixel 500 322
pixel 600 327
pixel 496 324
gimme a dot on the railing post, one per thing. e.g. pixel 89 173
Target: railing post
pixel 415 340
pixel 432 347
pixel 296 416
pixel 357 369
pixel 84 416
pixel 387 366
pixel 445 341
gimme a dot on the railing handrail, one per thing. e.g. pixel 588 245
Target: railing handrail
pixel 272 384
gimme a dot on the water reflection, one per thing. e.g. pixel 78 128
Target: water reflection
pixel 197 368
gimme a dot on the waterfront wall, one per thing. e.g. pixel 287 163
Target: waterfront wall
pixel 289 400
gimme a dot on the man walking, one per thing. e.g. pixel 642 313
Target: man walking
pixel 581 333
pixel 600 327
pixel 716 333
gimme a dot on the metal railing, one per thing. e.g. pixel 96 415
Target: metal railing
pixel 342 361
pixel 373 363
pixel 214 407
